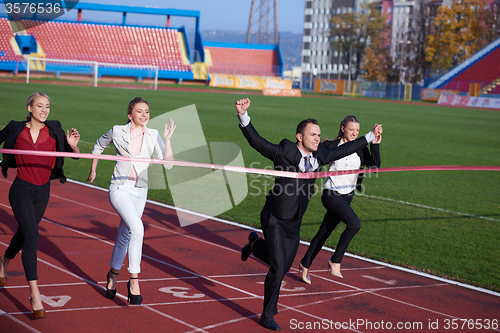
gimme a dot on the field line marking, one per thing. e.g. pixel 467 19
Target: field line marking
pixel 389 282
pixel 17 321
pixel 287 307
pixel 196 329
pixel 251 294
pixel 429 207
pixel 404 269
pixel 84 205
pixel 411 271
pixel 247 227
pixel 173 266
pixel 356 291
pixel 96 284
pixel 146 223
pixel 170 265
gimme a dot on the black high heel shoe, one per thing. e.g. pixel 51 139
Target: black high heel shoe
pixel 133 299
pixel 110 293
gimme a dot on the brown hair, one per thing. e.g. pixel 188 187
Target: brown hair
pixel 31 100
pixel 133 103
pixel 303 124
pixel 348 119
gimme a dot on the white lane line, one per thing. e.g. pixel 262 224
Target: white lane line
pixel 97 285
pixel 376 262
pixel 287 307
pixel 181 269
pixel 429 207
pixel 389 282
pixel 17 321
pixel 294 308
pixel 345 293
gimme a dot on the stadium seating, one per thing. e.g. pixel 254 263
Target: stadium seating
pixel 485 71
pixel 109 44
pixel 244 61
pixel 7 52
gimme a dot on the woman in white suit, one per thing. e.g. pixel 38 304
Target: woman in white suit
pixel 129 188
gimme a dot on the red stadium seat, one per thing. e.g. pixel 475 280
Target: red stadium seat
pixel 485 72
pixel 5 36
pixel 107 43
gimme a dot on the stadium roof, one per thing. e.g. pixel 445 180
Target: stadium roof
pixel 138 10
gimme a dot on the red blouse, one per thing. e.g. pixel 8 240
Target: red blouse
pixel 35 169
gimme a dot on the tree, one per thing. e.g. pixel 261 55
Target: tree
pixel 459 31
pixel 352 31
pixel 377 62
pixel 420 29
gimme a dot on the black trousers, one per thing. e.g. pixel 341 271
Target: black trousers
pixel 279 248
pixel 338 208
pixel 28 204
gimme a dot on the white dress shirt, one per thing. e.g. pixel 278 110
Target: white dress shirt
pixel 245 120
pixel 343 184
pixel 120 137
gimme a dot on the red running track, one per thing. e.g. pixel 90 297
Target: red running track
pixel 193 280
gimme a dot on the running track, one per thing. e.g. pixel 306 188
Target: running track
pixel 193 280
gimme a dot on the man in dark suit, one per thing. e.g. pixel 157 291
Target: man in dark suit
pixel 287 201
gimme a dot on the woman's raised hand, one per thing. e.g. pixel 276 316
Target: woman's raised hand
pixel 169 130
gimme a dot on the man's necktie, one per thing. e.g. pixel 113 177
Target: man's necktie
pixel 307 165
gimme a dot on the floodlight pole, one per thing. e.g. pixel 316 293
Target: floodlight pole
pixel 340 58
pixel 249 32
pixel 349 73
pixel 264 19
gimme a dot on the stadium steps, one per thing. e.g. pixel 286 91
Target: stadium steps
pixel 492 88
pixel 183 48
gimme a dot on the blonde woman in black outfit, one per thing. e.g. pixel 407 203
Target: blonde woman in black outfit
pixel 338 192
pixel 30 191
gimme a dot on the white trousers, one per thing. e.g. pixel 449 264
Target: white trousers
pixel 129 201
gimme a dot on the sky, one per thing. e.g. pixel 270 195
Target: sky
pixel 230 15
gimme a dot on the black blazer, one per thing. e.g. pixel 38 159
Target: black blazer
pixel 10 133
pixel 289 197
pixel 369 160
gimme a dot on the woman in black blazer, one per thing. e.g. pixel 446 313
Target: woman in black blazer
pixel 30 191
pixel 337 196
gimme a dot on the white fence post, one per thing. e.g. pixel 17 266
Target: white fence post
pixel 96 73
pixel 156 77
pixel 28 70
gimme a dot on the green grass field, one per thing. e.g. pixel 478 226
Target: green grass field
pixel 410 219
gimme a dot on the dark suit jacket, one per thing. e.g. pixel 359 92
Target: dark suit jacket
pixel 369 160
pixel 289 197
pixel 10 133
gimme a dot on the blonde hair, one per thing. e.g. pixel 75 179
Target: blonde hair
pixel 31 100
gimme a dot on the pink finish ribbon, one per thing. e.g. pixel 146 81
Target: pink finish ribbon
pixel 277 173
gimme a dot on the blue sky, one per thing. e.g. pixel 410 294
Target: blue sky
pixel 222 14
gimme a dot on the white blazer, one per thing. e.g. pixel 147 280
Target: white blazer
pixel 119 135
